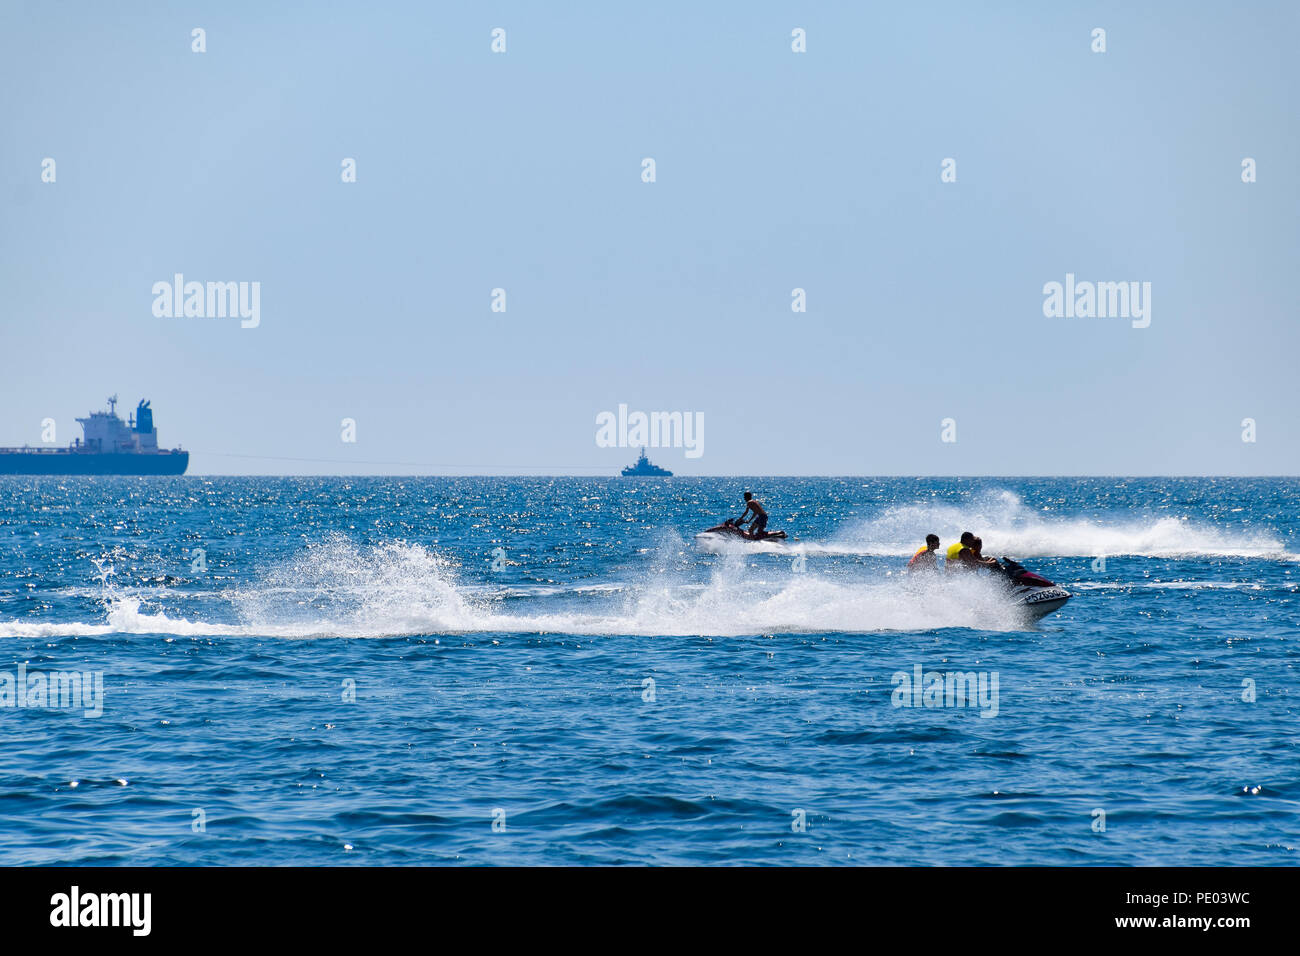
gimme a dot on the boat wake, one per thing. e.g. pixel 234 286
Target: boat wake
pixel 342 590
pixel 1008 526
pixel 336 588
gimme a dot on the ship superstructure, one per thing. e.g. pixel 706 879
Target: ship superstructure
pixel 109 446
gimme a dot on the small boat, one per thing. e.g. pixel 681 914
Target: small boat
pixel 643 469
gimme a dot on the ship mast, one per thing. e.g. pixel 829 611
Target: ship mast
pixel 112 404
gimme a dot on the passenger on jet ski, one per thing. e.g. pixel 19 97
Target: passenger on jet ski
pixel 759 524
pixel 959 554
pixel 926 559
pixel 977 559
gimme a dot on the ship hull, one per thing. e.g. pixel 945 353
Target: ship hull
pixel 93 463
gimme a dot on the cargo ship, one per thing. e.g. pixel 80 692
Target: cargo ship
pixel 643 468
pixel 110 446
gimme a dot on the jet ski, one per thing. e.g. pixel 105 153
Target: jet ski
pixel 1037 595
pixel 731 529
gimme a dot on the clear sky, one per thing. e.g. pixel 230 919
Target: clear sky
pixel 775 170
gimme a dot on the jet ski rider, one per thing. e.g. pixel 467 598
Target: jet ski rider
pixel 926 559
pixel 759 524
pixel 977 559
pixel 959 554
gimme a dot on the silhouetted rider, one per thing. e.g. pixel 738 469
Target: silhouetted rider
pixel 759 524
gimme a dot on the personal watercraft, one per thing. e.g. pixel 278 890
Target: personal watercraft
pixel 731 529
pixel 1037 595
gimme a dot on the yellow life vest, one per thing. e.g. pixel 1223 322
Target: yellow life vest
pixel 954 550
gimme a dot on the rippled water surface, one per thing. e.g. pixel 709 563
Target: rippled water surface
pixel 390 671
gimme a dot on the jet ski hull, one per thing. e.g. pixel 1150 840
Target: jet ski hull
pixel 731 531
pixel 1039 602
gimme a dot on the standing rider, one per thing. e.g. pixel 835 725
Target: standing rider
pixel 759 524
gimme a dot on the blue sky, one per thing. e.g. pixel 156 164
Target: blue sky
pixel 775 170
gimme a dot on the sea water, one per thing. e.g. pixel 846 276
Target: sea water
pixel 554 671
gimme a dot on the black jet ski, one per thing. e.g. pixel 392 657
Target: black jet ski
pixel 1037 595
pixel 731 529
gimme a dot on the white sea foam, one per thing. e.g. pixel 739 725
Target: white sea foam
pixel 1010 527
pixel 338 589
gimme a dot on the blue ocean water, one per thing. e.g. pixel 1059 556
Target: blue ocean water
pixel 535 670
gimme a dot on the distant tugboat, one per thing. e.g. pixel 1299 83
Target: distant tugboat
pixel 111 447
pixel 643 468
